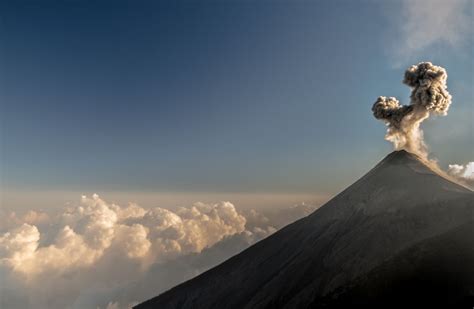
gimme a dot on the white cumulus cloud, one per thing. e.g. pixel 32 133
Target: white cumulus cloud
pixel 463 173
pixel 92 253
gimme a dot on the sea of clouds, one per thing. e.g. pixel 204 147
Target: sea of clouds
pixel 97 254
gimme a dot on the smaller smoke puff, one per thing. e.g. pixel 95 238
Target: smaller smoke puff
pixel 389 109
pixel 429 96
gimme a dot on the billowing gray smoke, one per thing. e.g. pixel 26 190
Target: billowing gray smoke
pixel 429 96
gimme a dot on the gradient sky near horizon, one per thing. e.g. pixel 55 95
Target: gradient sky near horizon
pixel 217 96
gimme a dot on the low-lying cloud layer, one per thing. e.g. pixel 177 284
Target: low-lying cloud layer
pixel 96 228
pixel 95 248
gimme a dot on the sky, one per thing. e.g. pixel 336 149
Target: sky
pixel 208 98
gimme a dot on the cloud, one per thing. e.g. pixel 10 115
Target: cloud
pixel 425 23
pixel 100 254
pixel 96 228
pixel 463 173
pixel 11 219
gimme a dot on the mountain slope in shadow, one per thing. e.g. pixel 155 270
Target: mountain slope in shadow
pixel 437 272
pixel 338 252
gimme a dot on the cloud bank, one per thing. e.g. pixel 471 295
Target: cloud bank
pixel 83 256
pixel 96 228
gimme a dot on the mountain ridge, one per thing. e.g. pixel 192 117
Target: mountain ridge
pixel 398 203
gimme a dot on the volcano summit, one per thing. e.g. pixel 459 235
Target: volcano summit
pixel 401 235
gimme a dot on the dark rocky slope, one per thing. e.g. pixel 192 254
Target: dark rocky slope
pixel 348 249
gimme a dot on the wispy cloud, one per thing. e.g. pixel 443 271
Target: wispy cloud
pixel 425 23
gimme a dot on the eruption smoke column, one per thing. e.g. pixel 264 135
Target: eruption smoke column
pixel 428 96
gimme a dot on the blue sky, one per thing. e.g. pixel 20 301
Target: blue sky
pixel 218 96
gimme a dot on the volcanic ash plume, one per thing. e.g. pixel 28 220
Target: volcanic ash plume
pixel 428 96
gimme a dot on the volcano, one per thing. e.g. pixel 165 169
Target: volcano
pixel 401 235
